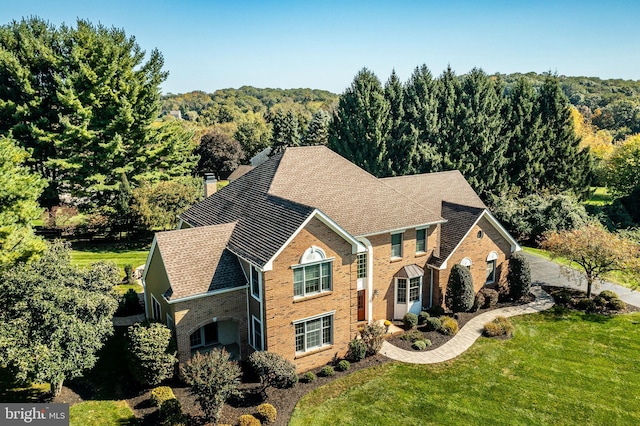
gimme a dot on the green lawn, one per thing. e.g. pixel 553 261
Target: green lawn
pixel 84 255
pixel 101 413
pixel 600 197
pixel 560 368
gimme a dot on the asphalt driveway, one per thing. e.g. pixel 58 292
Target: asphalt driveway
pixel 544 272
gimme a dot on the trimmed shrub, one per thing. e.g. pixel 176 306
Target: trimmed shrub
pixel 412 335
pixel 373 336
pixel 248 420
pixel 267 413
pixel 171 413
pixel 327 371
pixel 427 342
pixel 212 378
pixel 600 301
pixel 587 305
pixel 410 320
pixel 486 298
pixel 460 295
pixel 433 324
pixel 273 370
pixel 616 305
pixel 436 311
pixel 344 365
pixel 448 326
pixel 561 297
pixel 608 295
pixel 151 353
pixel 128 272
pixel 309 377
pixel 419 345
pixel 422 317
pixel 161 394
pixel 501 326
pixel 519 276
pixel 357 350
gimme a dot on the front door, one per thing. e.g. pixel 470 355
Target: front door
pixel 408 296
pixel 361 305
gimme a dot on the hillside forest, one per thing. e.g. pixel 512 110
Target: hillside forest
pixel 84 125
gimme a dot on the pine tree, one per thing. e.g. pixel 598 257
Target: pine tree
pixel 318 131
pixel 361 125
pixel 421 115
pixel 567 167
pixel 448 93
pixel 402 142
pixel 286 131
pixel 524 125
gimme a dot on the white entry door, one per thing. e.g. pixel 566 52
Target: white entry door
pixel 408 296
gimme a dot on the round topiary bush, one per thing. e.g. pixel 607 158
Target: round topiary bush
pixel 433 324
pixel 436 311
pixel 327 371
pixel 248 420
pixel 519 276
pixel 616 305
pixel 600 301
pixel 419 345
pixel 267 413
pixel 427 342
pixel 460 294
pixel 344 365
pixel 308 377
pixel 608 295
pixel 561 297
pixel 448 326
pixel 422 317
pixel 410 320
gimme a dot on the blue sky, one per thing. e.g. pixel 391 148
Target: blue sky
pixel 210 45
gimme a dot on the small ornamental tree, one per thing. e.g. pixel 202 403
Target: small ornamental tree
pixel 519 276
pixel 152 357
pixel 594 249
pixel 212 378
pixel 273 370
pixel 460 295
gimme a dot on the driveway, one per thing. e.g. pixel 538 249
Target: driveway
pixel 545 272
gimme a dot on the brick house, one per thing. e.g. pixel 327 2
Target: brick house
pixel 296 254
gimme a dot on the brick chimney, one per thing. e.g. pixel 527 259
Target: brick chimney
pixel 210 183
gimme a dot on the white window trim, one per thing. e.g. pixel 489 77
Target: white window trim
pixel 406 290
pixel 492 256
pixel 401 245
pixel 154 303
pixel 259 296
pixel 425 240
pixel 466 262
pixel 321 290
pixel 495 267
pixel 259 347
pixel 315 317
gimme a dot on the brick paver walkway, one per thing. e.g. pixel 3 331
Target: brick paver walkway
pixel 468 334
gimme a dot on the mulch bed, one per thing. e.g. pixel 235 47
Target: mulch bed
pixel 284 400
pixel 577 295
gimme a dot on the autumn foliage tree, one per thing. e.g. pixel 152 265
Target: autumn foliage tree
pixel 594 249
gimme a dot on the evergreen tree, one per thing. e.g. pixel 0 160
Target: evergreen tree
pixel 566 166
pixel 361 124
pixel 479 147
pixel 402 142
pixel 525 165
pixel 421 115
pixel 318 131
pixel 286 131
pixel 448 94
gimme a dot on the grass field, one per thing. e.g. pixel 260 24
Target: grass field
pixel 560 368
pixel 101 413
pixel 600 197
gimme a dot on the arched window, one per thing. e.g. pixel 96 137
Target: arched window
pixel 466 262
pixel 314 273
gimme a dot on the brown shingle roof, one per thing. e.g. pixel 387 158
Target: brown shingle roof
pixel 264 222
pixel 196 260
pixel 356 200
pixel 240 171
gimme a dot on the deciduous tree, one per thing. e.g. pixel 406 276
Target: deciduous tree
pixel 594 249
pixel 623 167
pixel 152 354
pixel 55 316
pixel 219 154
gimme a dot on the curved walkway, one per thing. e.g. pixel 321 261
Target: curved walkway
pixel 468 334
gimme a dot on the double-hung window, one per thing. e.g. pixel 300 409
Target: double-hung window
pixel 312 279
pixel 314 333
pixel 414 289
pixel 421 240
pixel 362 265
pixel 396 245
pixel 255 282
pixel 491 272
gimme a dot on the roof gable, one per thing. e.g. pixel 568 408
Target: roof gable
pixel 196 260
